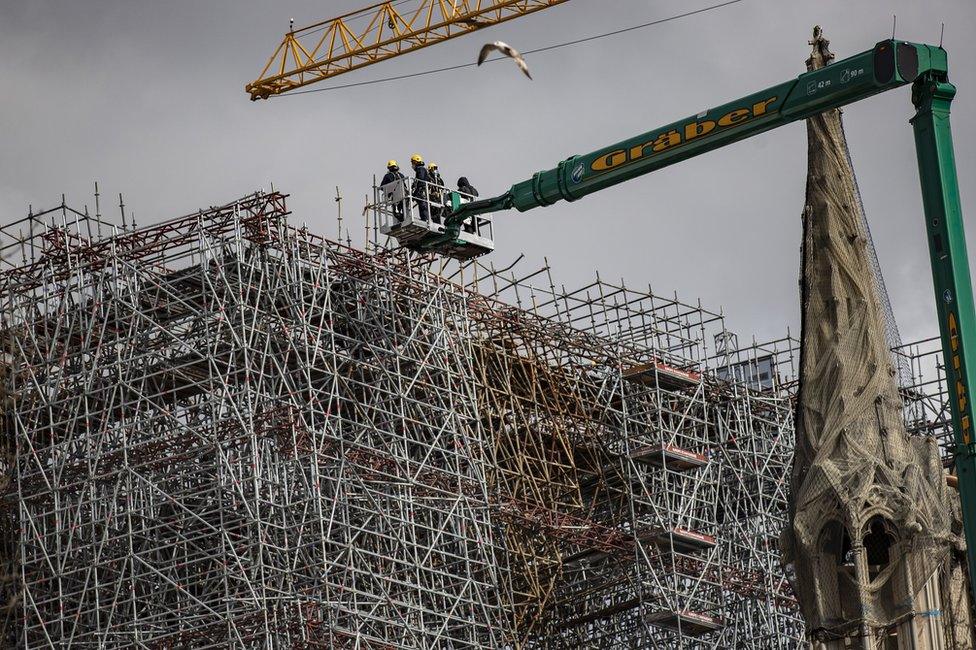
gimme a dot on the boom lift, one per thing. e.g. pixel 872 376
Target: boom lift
pixel 888 65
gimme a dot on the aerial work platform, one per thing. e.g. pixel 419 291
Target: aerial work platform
pixel 411 219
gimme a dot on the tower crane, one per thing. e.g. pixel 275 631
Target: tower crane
pixel 376 33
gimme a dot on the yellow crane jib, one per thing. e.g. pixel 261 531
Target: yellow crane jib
pixel 378 32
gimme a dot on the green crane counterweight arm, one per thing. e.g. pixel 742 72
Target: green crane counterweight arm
pixel 932 94
pixel 888 65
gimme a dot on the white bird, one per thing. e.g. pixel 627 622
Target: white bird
pixel 508 51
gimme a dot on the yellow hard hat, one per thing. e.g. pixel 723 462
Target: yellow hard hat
pixel 417 159
pixel 432 165
pixel 391 163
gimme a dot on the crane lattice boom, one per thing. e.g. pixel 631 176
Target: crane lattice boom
pixel 378 32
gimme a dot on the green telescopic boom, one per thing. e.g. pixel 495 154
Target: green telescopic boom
pixel 888 65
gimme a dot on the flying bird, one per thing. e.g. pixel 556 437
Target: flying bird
pixel 508 51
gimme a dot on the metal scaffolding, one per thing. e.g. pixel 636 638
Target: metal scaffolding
pixel 225 431
pixel 926 396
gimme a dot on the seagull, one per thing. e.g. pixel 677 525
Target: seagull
pixel 508 51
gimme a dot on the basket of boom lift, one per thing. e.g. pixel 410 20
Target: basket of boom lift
pixel 417 218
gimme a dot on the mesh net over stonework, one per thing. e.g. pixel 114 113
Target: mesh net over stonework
pixel 872 519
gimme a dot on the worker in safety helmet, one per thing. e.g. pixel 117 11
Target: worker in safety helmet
pixel 393 174
pixel 436 193
pixel 420 180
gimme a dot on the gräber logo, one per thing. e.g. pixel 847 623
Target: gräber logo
pixel 578 172
pixel 962 392
pixel 680 134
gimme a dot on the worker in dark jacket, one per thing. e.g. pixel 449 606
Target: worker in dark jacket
pixel 436 194
pixel 419 190
pixel 468 192
pixel 393 174
pixel 465 188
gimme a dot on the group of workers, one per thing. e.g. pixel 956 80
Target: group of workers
pixel 427 188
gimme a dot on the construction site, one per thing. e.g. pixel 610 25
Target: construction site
pixel 227 430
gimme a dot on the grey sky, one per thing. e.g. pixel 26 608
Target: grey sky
pixel 147 98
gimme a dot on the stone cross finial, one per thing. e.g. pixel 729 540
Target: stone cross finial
pixel 821 54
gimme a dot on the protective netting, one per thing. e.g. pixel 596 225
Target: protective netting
pixel 872 520
pixel 892 335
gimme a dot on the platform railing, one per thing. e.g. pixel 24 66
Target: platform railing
pixel 411 201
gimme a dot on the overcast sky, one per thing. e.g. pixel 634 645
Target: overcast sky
pixel 148 99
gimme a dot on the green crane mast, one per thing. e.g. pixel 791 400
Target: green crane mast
pixel 888 65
